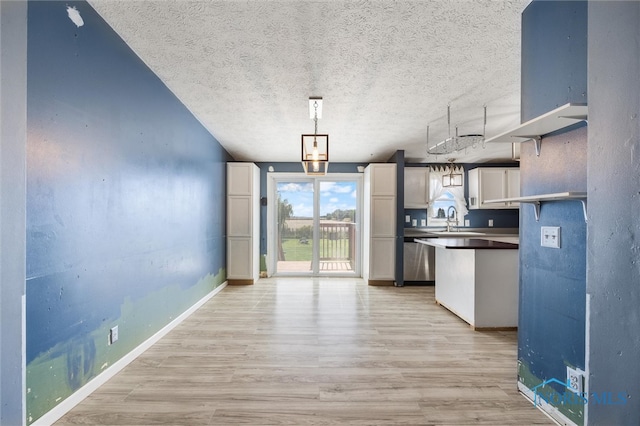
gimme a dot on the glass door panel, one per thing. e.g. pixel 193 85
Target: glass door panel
pixel 337 233
pixel 294 226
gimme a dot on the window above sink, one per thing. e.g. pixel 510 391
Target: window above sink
pixel 445 203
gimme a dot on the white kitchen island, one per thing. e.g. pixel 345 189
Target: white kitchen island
pixel 477 280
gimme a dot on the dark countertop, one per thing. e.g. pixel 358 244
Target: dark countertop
pixel 460 232
pixel 467 243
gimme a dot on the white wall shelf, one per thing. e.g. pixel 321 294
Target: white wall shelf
pixel 534 129
pixel 537 200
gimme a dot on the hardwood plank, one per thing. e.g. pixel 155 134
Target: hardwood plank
pixel 318 351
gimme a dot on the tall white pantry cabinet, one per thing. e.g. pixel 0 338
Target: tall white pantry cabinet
pixel 243 223
pixel 379 224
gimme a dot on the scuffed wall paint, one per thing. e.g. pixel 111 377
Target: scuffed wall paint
pixel 68 365
pixel 125 202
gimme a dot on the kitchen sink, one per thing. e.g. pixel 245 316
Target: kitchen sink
pixel 458 233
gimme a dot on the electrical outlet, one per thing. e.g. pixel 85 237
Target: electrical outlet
pixel 414 222
pixel 467 222
pixel 423 222
pixel 575 380
pixel 407 219
pixel 113 335
pixel 490 223
pixel 550 236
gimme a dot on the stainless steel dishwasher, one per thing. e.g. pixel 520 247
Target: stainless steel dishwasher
pixel 419 261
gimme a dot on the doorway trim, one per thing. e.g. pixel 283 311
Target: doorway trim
pixel 271 257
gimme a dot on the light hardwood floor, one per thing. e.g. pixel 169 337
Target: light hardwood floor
pixel 318 351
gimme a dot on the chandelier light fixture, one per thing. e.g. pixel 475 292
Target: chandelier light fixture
pixel 315 147
pixel 457 143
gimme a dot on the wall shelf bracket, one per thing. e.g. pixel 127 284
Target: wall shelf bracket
pixel 538 141
pixel 537 200
pixel 536 206
pixel 584 208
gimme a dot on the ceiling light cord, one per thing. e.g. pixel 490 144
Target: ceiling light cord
pixel 314 154
pixel 315 121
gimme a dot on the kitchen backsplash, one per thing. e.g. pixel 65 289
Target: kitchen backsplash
pixel 476 218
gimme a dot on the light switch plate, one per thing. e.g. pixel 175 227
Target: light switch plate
pixel 490 223
pixel 550 236
pixel 414 222
pixel 423 222
pixel 467 222
pixel 407 219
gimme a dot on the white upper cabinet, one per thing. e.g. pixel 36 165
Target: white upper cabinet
pixel 240 178
pixel 493 183
pixel 513 186
pixel 383 179
pixel 416 187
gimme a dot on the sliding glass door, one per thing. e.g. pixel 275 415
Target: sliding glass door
pixel 316 226
pixel 295 216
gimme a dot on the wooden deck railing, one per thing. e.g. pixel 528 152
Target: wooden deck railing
pixel 338 242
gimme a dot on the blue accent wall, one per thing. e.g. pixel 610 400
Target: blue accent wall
pixel 551 329
pixel 554 56
pixel 125 202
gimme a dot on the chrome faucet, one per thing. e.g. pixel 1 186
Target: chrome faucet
pixel 449 216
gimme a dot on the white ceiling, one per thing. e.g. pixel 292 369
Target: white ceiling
pixel 385 69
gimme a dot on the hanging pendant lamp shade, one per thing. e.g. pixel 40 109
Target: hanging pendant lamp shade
pixel 452 178
pixel 315 154
pixel 315 147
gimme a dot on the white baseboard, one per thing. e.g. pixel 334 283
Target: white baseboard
pixel 74 399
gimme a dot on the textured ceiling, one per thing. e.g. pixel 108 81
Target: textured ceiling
pixel 386 70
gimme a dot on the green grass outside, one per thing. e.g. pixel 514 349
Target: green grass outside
pixel 295 250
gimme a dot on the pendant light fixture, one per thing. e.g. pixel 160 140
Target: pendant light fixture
pixel 315 147
pixel 452 178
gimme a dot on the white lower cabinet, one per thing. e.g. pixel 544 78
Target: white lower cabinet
pixel 479 286
pixel 382 266
pixel 240 258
